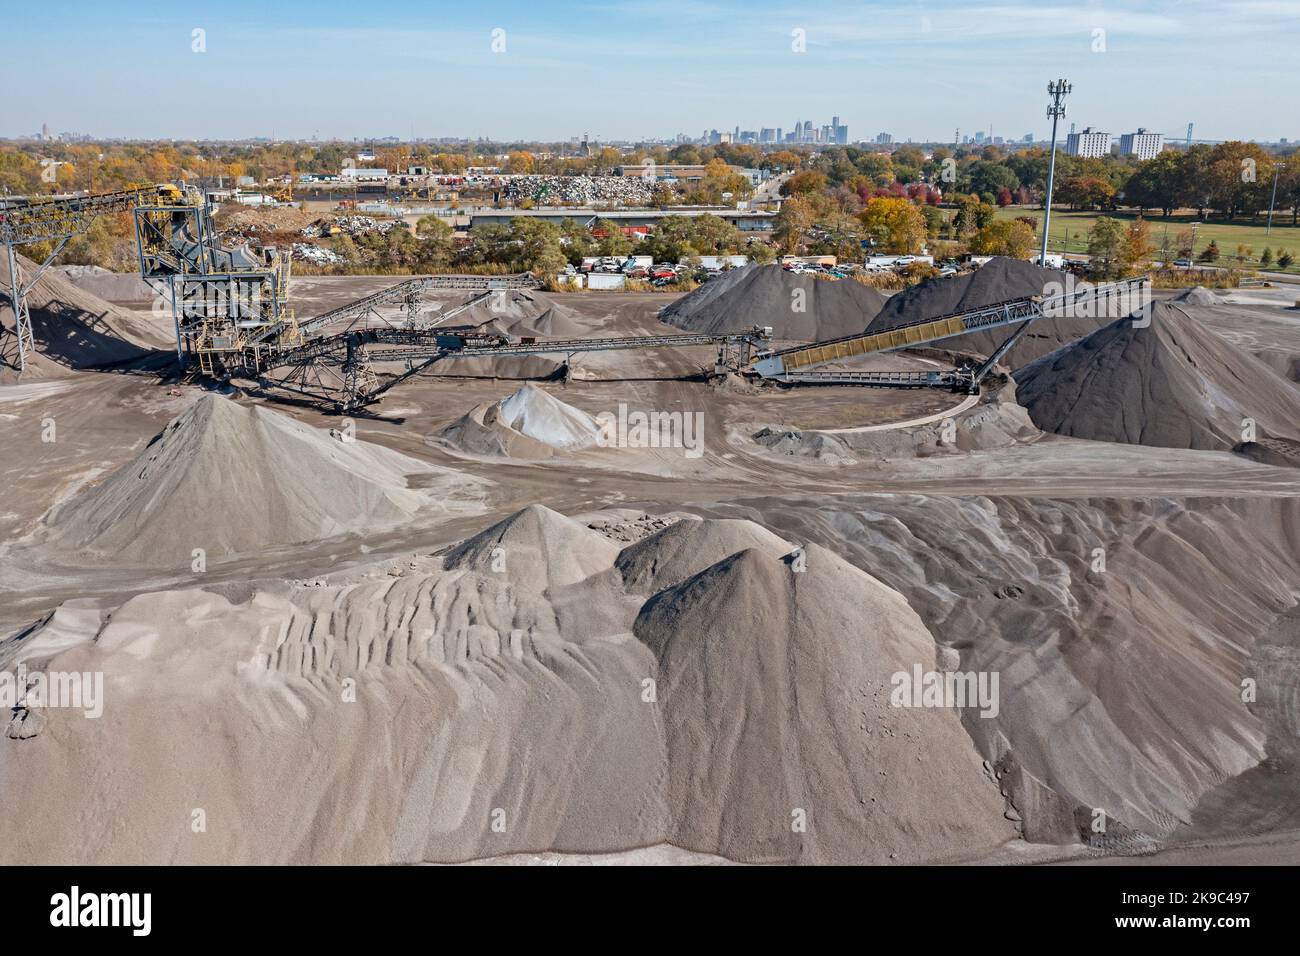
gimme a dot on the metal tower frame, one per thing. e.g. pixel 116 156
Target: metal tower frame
pixel 27 221
pixel 1055 110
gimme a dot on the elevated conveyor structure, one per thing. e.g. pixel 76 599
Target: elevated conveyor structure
pixel 338 369
pixel 795 365
pixel 53 219
pixel 410 293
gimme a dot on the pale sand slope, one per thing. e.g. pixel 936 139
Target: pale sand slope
pixel 577 711
pixel 234 480
pixel 1172 383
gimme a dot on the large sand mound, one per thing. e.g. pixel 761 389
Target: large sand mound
pixel 471 713
pixel 1172 384
pixel 998 280
pixel 531 423
pixel 774 684
pixel 76 329
pixel 536 548
pixel 233 480
pixel 797 307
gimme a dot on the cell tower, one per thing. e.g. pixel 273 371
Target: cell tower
pixel 1058 92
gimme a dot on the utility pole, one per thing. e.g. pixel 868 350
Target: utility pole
pixel 1277 168
pixel 1055 110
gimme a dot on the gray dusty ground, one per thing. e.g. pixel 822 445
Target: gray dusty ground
pixel 972 549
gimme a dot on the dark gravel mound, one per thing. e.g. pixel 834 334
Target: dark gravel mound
pixel 1172 384
pixel 765 295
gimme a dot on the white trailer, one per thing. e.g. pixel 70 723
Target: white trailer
pixel 606 280
pixel 720 262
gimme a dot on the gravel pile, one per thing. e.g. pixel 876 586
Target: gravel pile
pixel 1171 384
pixel 234 480
pixel 797 307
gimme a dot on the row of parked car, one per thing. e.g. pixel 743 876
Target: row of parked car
pixel 666 273
pixel 659 274
pixel 895 264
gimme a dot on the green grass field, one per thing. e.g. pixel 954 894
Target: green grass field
pixel 1070 234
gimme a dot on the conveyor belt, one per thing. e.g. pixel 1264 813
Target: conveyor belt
pixel 568 346
pixel 41 218
pixel 424 344
pixel 780 365
pixel 916 379
pixel 398 292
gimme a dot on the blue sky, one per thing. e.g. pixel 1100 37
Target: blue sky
pixel 916 68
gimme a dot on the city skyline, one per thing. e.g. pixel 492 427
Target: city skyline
pixel 915 69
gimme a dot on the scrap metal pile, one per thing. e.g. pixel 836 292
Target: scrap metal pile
pixel 580 190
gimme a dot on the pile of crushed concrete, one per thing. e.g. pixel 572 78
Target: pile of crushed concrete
pixel 234 480
pixel 797 307
pixel 75 329
pixel 1170 382
pixel 711 686
pixel 529 424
